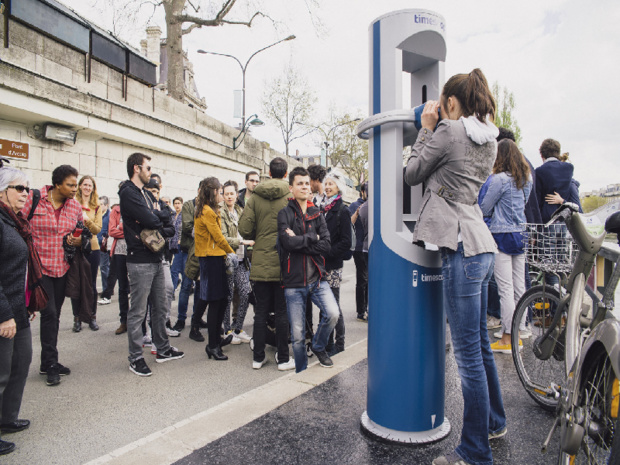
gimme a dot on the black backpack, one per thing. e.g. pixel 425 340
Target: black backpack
pixel 36 196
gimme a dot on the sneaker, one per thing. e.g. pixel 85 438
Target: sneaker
pixel 196 335
pixel 498 334
pixel 504 348
pixel 171 354
pixel 153 349
pixel 324 359
pixel 104 301
pixel 525 333
pixel 53 375
pixel 179 325
pixel 235 340
pixel 450 459
pixel 493 323
pixel 498 434
pixel 258 365
pixel 244 337
pixel 172 333
pixel 362 318
pixel 140 368
pixel 62 370
pixel 146 341
pixel 290 365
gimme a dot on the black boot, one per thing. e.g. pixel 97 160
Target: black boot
pixel 179 325
pixel 93 325
pixel 77 324
pixel 195 334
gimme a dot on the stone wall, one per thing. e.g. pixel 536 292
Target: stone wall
pixel 44 81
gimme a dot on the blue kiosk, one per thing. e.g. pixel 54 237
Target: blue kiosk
pixel 406 326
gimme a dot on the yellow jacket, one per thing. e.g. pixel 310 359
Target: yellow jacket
pixel 93 223
pixel 209 240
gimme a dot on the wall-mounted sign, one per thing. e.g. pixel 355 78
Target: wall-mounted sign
pixel 12 149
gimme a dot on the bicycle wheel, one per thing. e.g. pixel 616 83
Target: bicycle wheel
pixel 598 403
pixel 539 366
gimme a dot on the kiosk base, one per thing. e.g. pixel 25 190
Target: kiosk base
pixel 383 434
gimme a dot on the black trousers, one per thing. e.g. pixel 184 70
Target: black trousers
pixel 50 319
pixel 215 318
pixel 361 281
pixel 15 358
pixel 199 306
pixel 120 265
pixel 109 285
pixel 270 298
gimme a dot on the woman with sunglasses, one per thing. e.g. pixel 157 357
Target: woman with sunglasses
pixel 16 250
pixel 54 220
pixel 92 217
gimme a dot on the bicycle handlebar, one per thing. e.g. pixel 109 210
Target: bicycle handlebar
pixel 577 228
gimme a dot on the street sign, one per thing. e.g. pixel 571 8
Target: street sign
pixel 12 149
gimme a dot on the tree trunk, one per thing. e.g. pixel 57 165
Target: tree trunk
pixel 174 48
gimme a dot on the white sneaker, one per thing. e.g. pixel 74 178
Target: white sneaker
pixel 235 340
pixel 498 334
pixel 153 349
pixel 244 337
pixel 258 365
pixel 146 341
pixel 290 365
pixel 104 301
pixel 493 323
pixel 172 332
pixel 525 333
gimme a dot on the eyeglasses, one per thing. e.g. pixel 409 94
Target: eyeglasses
pixel 148 168
pixel 20 188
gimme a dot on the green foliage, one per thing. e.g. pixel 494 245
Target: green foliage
pixel 504 117
pixel 592 202
pixel 346 151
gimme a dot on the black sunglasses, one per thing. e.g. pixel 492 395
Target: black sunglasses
pixel 20 188
pixel 148 168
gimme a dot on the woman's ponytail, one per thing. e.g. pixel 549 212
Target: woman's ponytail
pixel 473 93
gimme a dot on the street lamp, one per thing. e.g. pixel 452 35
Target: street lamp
pixel 252 121
pixel 245 67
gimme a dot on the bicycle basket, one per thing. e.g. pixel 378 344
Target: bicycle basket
pixel 550 249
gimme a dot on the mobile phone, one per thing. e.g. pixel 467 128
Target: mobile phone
pixel 77 232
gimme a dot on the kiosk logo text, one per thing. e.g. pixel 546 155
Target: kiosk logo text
pixel 421 19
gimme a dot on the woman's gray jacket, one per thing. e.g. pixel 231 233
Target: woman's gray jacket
pixel 452 168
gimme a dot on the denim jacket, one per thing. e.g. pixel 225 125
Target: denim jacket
pixel 505 203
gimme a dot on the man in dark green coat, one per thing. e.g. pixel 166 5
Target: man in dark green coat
pixel 259 222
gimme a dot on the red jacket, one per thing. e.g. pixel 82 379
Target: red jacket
pixel 115 227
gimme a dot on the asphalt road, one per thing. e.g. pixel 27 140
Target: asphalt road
pixel 102 406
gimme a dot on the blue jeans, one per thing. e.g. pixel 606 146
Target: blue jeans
pixel 465 291
pixel 178 267
pixel 104 266
pixel 322 297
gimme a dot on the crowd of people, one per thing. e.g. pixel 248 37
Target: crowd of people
pixel 278 244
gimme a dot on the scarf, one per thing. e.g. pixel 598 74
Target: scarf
pixel 331 203
pixel 38 296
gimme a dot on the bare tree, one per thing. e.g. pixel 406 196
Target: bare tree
pixel 347 151
pixel 184 16
pixel 289 102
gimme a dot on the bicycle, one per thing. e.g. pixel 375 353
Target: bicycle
pixel 571 363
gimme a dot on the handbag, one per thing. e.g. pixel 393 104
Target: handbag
pixel 152 240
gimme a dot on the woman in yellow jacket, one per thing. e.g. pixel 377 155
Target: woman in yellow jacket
pixel 91 216
pixel 212 249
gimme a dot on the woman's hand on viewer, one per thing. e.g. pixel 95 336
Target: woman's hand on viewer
pixel 554 199
pixel 430 115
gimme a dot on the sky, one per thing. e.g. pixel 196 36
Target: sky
pixel 558 57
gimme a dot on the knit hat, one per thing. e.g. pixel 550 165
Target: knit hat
pixel 338 179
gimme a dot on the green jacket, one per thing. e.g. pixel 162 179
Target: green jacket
pixel 259 222
pixel 192 265
pixel 187 226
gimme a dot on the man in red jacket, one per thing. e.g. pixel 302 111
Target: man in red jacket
pixel 303 241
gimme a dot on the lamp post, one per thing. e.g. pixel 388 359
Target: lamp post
pixel 251 121
pixel 245 67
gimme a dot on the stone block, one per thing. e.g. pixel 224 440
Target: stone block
pixel 34 158
pixel 53 70
pixel 80 102
pixel 102 167
pixel 50 91
pixel 136 89
pixel 109 149
pixel 87 165
pixel 140 106
pixel 63 157
pixel 153 126
pixel 99 72
pixel 19 56
pixel 118 169
pixel 127 117
pixel 63 55
pixel 184 111
pixel 101 108
pixel 40 178
pixel 24 37
pixel 115 79
pixel 20 81
pixel 115 94
pixel 82 146
pixel 48 162
pixel 10 133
